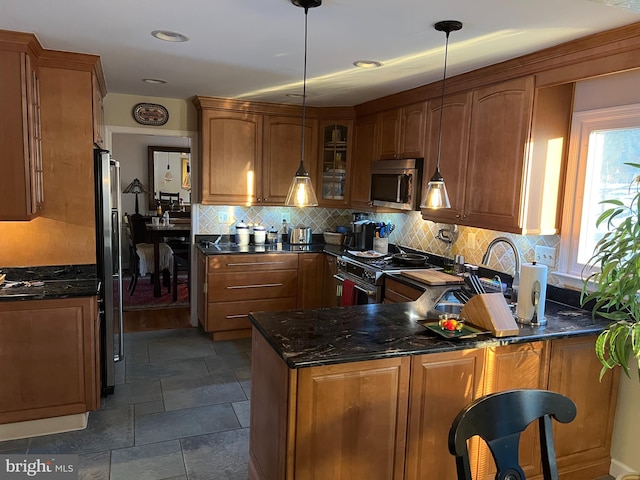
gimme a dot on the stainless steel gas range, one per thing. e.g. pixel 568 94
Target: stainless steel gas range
pixel 367 275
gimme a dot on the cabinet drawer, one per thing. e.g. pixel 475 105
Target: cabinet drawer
pixel 396 292
pixel 252 262
pixel 230 287
pixel 235 315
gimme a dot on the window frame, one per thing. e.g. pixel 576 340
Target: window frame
pixel 583 123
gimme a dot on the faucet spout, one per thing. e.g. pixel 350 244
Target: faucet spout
pixel 516 273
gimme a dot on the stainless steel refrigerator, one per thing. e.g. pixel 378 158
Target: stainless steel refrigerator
pixel 109 264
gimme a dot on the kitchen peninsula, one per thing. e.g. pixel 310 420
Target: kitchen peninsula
pixel 367 392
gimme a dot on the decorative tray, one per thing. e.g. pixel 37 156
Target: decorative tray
pixel 467 331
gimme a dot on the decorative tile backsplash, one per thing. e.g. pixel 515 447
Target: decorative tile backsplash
pixel 410 230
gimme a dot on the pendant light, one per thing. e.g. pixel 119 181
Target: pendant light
pixel 168 176
pixel 436 194
pixel 301 193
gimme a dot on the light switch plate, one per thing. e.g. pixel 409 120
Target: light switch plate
pixel 471 240
pixel 545 255
pixel 223 217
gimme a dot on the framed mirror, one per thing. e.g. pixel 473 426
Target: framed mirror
pixel 169 177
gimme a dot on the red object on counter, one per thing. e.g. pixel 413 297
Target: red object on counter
pixel 349 293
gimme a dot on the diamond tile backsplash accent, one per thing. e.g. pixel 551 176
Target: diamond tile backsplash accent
pixel 410 230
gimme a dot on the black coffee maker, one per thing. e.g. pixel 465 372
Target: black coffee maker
pixel 363 233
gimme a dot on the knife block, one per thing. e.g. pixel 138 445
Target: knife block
pixel 490 312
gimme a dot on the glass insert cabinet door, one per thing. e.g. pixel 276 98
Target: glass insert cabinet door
pixel 335 161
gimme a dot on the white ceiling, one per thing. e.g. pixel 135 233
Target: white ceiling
pixel 253 49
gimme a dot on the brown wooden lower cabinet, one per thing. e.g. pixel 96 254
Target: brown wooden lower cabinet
pixel 390 418
pixel 49 358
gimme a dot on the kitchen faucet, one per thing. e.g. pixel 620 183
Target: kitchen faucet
pixel 516 274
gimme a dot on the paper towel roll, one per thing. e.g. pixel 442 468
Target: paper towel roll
pixel 532 293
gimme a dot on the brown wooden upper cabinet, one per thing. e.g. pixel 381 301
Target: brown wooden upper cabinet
pixel 515 156
pixel 363 154
pixel 401 132
pixel 335 162
pixel 249 156
pixel 21 181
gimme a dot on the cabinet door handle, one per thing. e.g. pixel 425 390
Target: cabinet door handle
pixel 259 199
pixel 260 285
pixel 236 316
pixel 252 263
pixel 457 215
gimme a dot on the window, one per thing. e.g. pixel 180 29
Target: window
pixel 602 141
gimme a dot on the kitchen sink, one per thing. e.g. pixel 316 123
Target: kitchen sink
pixel 448 303
pixel 449 307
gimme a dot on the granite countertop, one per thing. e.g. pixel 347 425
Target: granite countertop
pixel 306 338
pixel 49 282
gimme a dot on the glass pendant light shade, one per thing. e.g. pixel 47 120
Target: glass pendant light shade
pixel 168 176
pixel 436 195
pixel 301 192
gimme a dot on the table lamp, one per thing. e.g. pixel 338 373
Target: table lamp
pixel 135 187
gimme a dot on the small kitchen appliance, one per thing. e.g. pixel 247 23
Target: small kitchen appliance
pixel 301 235
pixel 363 233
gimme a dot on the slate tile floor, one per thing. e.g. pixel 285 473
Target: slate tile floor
pixel 180 412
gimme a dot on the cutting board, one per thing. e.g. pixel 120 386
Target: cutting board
pixel 432 277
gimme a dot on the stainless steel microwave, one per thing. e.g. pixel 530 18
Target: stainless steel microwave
pixel 396 183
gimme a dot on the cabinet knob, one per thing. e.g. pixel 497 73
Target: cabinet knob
pixel 258 199
pixel 457 215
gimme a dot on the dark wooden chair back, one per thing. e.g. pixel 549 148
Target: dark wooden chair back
pixel 139 231
pixel 499 419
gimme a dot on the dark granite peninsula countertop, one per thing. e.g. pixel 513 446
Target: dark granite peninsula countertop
pixel 305 338
pixel 48 282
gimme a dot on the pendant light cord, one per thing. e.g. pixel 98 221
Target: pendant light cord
pixel 444 77
pixel 304 84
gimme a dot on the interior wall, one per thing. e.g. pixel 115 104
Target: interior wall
pixel 118 110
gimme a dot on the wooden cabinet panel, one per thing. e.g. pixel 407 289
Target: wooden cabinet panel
pixel 21 182
pixel 364 153
pixel 49 358
pixel 311 268
pixel 398 292
pixel 401 132
pixel 499 132
pixel 442 384
pixel 235 315
pixel 351 420
pixel 583 446
pixel 456 118
pixel 517 366
pixel 231 287
pixel 252 262
pixel 281 155
pixel 231 150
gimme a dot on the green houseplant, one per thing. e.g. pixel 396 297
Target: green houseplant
pixel 614 283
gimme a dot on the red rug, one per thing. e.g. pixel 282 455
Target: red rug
pixel 143 299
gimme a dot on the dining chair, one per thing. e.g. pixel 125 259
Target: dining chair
pixel 141 253
pixel 499 419
pixel 181 262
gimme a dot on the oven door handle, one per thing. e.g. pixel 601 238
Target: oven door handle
pixel 369 293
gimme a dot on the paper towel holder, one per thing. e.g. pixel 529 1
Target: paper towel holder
pixel 535 299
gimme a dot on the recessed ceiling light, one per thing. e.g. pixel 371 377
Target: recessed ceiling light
pixel 294 95
pixel 169 36
pixel 367 64
pixel 155 81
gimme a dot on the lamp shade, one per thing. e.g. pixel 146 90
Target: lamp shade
pixel 436 194
pixel 301 192
pixel 135 186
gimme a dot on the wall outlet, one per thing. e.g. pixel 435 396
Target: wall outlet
pixel 223 217
pixel 471 241
pixel 286 217
pixel 545 255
